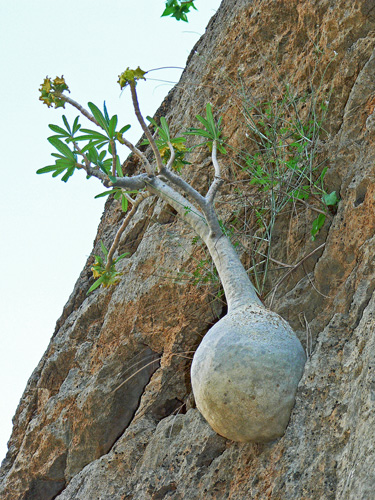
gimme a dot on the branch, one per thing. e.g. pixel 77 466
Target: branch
pixel 183 207
pixel 131 183
pixel 138 153
pixel 80 108
pixel 218 181
pixel 94 172
pixel 145 128
pixel 205 204
pixel 186 188
pixel 125 223
pixel 172 158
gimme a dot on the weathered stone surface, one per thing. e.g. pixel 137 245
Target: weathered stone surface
pixel 74 433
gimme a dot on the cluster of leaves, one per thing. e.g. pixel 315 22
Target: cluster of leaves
pixel 212 131
pixel 164 140
pixel 178 9
pixel 105 277
pixel 71 157
pixel 50 90
pixel 119 195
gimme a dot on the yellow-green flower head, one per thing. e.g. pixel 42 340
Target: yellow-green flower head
pixel 59 84
pixel 131 75
pixel 48 89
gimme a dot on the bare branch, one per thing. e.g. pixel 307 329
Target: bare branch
pixel 134 182
pixel 218 181
pixel 183 207
pixel 145 128
pixel 184 186
pixel 124 225
pixel 129 198
pixel 205 204
pixel 138 153
pixel 80 108
pixel 172 158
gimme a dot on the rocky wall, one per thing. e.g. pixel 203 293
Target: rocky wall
pixel 108 413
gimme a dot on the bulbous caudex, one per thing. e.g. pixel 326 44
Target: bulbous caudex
pixel 245 374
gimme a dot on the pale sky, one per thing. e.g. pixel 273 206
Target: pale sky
pixel 48 227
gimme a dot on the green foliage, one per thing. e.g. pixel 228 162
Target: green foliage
pixel 285 164
pixel 211 132
pixel 163 142
pixel 67 159
pixel 329 200
pixel 119 195
pixel 178 9
pixel 105 277
pixel 48 91
pixel 131 75
pixel 71 158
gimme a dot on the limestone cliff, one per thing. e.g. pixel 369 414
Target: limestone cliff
pixel 108 413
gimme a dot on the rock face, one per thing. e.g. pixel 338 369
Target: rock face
pixel 108 413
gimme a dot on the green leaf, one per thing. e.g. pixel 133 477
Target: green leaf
pixel 68 174
pixel 124 129
pixel 99 260
pixel 91 134
pixel 58 171
pixel 59 130
pixel 60 146
pixel 152 121
pixel 106 115
pixel 105 193
pixel 104 249
pixel 118 167
pixel 199 132
pixel 45 170
pixel 98 115
pixel 330 199
pixel 203 121
pixel 96 285
pixel 112 126
pixel 66 124
pixel 210 117
pixel 76 125
pixel 317 225
pixel 124 203
pixel 165 128
pixel 322 175
pixel 122 256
